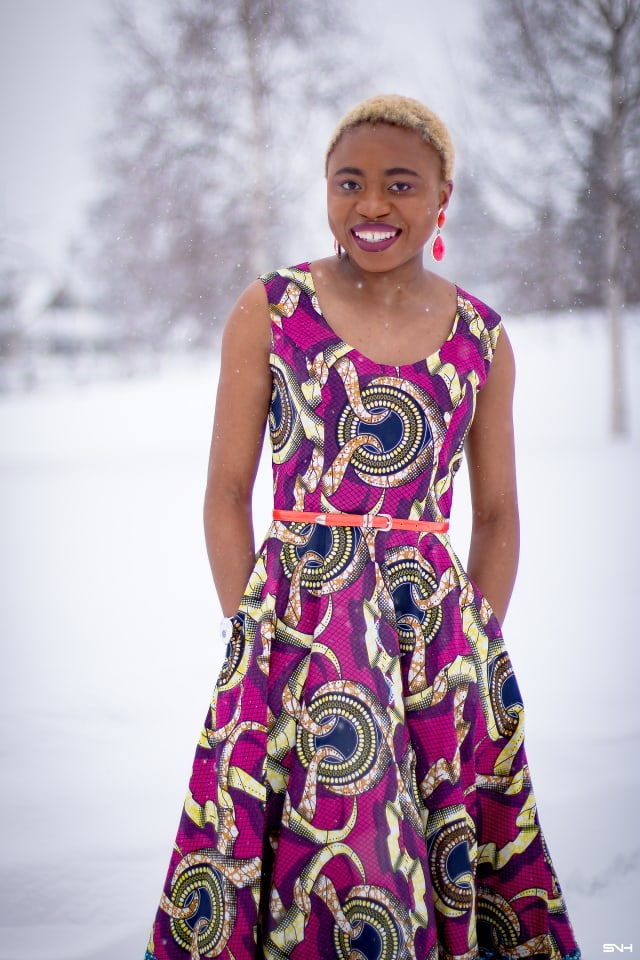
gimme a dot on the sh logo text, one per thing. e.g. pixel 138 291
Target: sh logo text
pixel 617 947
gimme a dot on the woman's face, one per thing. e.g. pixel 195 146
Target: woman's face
pixel 384 192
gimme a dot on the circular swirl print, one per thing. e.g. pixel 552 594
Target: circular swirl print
pixel 376 917
pixel 211 903
pixel 504 694
pixel 329 559
pixel 399 429
pixel 451 869
pixel 411 581
pixel 497 920
pixel 352 721
pixel 285 426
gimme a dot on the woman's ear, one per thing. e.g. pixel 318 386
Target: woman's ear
pixel 445 193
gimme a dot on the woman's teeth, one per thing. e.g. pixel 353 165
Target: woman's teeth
pixel 375 236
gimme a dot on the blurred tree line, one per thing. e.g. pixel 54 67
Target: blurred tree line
pixel 555 219
pixel 213 111
pixel 560 98
pixel 571 92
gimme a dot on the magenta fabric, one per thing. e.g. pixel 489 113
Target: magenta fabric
pixel 360 790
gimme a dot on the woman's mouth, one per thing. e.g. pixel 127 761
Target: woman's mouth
pixel 374 238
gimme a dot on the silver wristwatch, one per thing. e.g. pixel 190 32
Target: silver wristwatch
pixel 226 629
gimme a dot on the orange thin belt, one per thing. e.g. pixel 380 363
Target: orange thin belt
pixel 368 521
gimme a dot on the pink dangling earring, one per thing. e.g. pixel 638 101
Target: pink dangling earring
pixel 437 247
pixel 338 249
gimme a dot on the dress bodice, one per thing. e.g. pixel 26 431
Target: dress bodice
pixel 351 435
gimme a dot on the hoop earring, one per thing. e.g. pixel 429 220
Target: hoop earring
pixel 338 249
pixel 437 247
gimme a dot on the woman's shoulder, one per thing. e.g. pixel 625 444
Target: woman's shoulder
pixel 481 328
pixel 290 290
pixel 298 274
pixel 475 307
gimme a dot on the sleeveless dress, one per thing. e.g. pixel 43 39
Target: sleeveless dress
pixel 360 789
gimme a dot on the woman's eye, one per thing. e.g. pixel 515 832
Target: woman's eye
pixel 349 185
pixel 400 187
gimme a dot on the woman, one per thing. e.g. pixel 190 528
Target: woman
pixel 360 788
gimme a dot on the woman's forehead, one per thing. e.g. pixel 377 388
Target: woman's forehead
pixel 379 144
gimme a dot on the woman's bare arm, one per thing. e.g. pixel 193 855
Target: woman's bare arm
pixel 495 536
pixel 242 406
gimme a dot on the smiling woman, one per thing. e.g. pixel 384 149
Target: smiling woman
pixel 361 786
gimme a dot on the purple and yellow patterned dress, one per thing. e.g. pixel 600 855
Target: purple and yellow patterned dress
pixel 360 790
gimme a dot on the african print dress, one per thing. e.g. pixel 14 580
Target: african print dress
pixel 360 790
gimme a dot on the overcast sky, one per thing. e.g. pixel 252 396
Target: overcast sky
pixel 53 80
pixel 51 69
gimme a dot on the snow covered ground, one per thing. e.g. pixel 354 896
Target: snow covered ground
pixel 108 619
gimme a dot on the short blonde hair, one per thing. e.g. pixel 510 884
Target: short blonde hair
pixel 404 112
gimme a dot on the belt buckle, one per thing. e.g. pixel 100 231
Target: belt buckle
pixel 369 521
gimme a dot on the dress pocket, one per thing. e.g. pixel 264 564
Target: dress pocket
pixel 485 611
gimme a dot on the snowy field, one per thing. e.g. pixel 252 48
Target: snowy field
pixel 108 618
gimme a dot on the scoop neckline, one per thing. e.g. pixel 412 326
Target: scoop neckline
pixel 350 349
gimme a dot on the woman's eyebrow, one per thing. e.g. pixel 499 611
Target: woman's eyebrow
pixel 401 171
pixel 391 172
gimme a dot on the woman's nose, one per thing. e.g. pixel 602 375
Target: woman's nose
pixel 373 203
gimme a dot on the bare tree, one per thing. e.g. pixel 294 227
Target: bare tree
pixel 11 284
pixel 214 105
pixel 566 77
pixel 587 229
